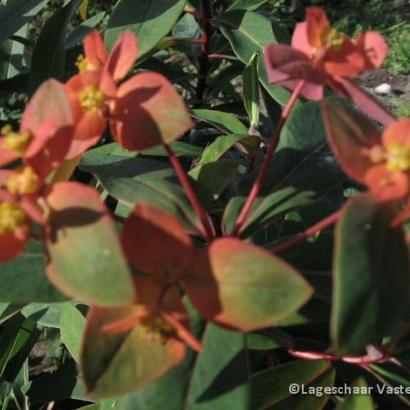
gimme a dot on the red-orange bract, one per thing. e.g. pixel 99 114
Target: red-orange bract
pixel 143 112
pixel 41 144
pixel 158 246
pixel 45 132
pixel 380 160
pixel 156 243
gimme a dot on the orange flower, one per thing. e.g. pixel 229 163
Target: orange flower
pixel 93 89
pixel 319 54
pixel 143 112
pixel 389 177
pixel 19 191
pixel 15 227
pixel 45 132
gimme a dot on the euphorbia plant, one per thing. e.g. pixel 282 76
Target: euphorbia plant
pixel 186 268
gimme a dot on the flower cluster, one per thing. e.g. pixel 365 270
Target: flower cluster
pixel 60 123
pixel 320 54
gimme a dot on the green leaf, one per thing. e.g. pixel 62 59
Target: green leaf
pixel 278 203
pixel 187 27
pixel 212 178
pixel 23 279
pixel 17 338
pixel 301 172
pixel 77 35
pixel 371 276
pixel 72 324
pixel 48 58
pixel 84 248
pixel 225 119
pixel 101 155
pixel 247 4
pixel 180 148
pixel 248 33
pixel 11 56
pixel 150 20
pixel 130 180
pixel 240 285
pixel 358 401
pixel 7 310
pixel 220 378
pixel 17 13
pixel 268 339
pixel 218 148
pixel 251 90
pixel 270 388
pixel 47 315
pixel 117 363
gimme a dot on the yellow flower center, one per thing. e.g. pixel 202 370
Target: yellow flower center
pixel 156 329
pixel 83 64
pixel 16 141
pixel 11 217
pixel 398 157
pixel 91 98
pixel 333 38
pixel 23 181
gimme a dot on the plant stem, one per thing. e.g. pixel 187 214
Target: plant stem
pixel 313 230
pixel 216 56
pixel 207 13
pixel 208 230
pixel 359 360
pixel 183 333
pixel 264 168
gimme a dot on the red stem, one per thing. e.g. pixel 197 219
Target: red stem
pixel 208 230
pixel 359 360
pixel 313 230
pixel 183 333
pixel 264 168
pixel 216 56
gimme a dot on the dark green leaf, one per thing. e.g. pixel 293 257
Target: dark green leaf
pixel 72 324
pixel 220 118
pixel 23 279
pixel 11 56
pixel 301 172
pixel 247 4
pixel 48 58
pixel 220 378
pixel 248 33
pixel 150 20
pixel 270 388
pixel 251 90
pixel 357 401
pixel 218 148
pixel 371 282
pixel 58 385
pixel 212 178
pixel 17 13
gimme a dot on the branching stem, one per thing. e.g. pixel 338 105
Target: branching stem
pixel 313 230
pixel 257 186
pixel 207 229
